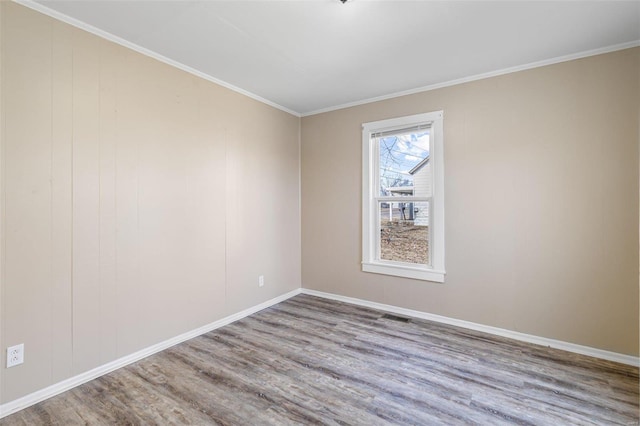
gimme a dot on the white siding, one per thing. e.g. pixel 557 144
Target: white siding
pixel 422 188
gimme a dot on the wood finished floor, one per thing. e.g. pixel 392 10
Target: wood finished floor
pixel 315 361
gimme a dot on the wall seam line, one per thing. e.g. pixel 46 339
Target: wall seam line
pixel 51 221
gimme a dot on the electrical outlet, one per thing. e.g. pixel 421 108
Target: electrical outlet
pixel 260 280
pixel 15 355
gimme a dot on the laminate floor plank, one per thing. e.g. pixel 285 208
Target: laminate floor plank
pixel 310 360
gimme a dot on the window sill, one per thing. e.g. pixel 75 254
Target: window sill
pixel 404 271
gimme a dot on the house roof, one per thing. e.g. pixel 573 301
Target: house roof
pixel 419 165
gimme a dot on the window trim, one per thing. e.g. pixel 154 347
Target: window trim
pixel 370 262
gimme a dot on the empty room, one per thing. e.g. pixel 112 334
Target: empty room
pixel 319 212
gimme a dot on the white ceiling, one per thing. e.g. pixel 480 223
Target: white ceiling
pixel 307 56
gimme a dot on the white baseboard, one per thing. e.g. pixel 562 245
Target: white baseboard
pixel 543 341
pixel 55 389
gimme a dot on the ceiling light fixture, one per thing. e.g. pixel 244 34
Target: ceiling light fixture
pixel 343 1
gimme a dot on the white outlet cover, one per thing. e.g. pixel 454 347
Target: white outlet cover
pixel 15 355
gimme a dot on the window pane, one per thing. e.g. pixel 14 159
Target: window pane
pixel 404 232
pixel 404 164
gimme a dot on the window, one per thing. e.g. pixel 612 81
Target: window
pixel 402 197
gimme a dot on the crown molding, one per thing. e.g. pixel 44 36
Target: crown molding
pixel 531 65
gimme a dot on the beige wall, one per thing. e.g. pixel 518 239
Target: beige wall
pixel 139 201
pixel 541 189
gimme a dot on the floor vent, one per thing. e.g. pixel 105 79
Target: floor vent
pixel 394 318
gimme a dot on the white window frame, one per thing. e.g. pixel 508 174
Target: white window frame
pixel 371 261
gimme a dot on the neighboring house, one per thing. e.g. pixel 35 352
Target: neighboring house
pixel 407 214
pixel 400 190
pixel 422 186
pixel 418 212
